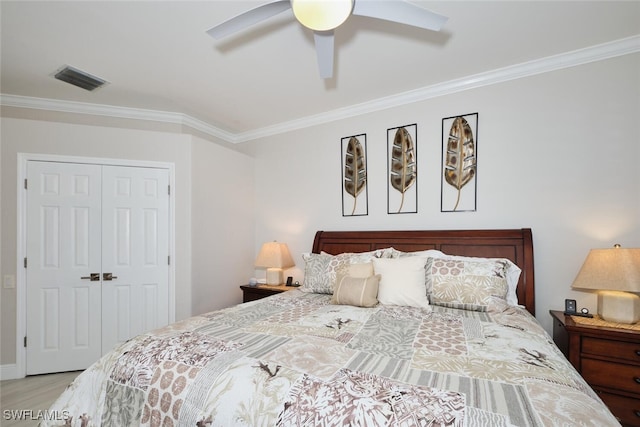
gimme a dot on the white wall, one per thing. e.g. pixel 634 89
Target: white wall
pixel 557 152
pixel 202 208
pixel 223 216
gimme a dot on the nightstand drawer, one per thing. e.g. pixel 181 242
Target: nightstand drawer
pixel 611 375
pixel 608 348
pixel 626 409
pixel 607 358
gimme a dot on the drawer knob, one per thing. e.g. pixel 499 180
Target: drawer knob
pixel 637 413
pixel 638 353
pixel 637 380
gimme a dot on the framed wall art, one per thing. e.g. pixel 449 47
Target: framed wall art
pixel 402 176
pixel 355 197
pixel 459 176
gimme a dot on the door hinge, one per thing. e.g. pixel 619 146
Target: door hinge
pixel 25 183
pixel 169 260
pixel 168 189
pixel 25 262
pixel 25 340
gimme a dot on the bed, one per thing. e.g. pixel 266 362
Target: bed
pixel 390 328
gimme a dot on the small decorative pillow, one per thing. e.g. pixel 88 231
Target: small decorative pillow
pixel 321 269
pixel 361 270
pixel 469 285
pixel 357 291
pixel 402 281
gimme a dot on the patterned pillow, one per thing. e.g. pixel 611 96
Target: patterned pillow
pixel 470 285
pixel 320 270
pixel 513 273
pixel 358 291
pixel 395 253
pixel 316 276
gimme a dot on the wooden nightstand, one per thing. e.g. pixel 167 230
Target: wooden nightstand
pixel 252 293
pixel 608 359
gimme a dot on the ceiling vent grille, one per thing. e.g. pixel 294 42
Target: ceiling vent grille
pixel 79 78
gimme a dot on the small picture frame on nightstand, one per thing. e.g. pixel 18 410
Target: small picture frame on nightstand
pixel 570 306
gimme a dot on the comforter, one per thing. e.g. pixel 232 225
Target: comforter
pixel 295 359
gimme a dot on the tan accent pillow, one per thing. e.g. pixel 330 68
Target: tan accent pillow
pixel 357 291
pixel 361 270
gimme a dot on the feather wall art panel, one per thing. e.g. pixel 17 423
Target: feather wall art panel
pixel 402 156
pixel 354 176
pixel 459 180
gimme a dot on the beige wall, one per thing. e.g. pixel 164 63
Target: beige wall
pixel 557 152
pixel 194 159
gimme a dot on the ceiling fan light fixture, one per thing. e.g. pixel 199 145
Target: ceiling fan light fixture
pixel 322 15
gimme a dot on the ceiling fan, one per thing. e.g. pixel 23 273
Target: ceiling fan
pixel 324 16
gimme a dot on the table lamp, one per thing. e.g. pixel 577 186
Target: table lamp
pixel 274 256
pixel 615 274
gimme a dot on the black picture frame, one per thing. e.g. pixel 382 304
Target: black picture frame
pixel 459 173
pixel 402 169
pixel 353 157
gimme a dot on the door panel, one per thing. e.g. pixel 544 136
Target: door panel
pixel 63 310
pixel 135 248
pixel 84 219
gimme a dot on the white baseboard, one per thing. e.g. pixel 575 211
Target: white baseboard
pixel 9 372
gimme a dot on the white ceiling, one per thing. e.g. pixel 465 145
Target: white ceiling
pixel 157 56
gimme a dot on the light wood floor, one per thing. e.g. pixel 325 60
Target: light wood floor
pixel 34 393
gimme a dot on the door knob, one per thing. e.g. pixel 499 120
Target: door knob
pixel 94 277
pixel 108 276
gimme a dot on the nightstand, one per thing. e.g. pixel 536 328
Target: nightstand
pixel 252 293
pixel 608 359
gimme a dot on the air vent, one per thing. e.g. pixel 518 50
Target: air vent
pixel 79 78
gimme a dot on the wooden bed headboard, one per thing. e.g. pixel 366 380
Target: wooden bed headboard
pixel 516 245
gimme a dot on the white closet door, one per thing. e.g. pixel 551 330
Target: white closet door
pixel 135 231
pixel 63 248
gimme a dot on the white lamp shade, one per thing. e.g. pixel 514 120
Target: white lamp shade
pixel 274 256
pixel 615 269
pixel 615 273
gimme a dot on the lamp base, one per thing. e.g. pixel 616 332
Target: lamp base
pixel 619 307
pixel 274 276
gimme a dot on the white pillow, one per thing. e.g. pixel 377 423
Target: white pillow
pixel 402 281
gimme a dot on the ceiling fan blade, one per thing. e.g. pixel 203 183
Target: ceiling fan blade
pixel 324 52
pixel 400 11
pixel 249 18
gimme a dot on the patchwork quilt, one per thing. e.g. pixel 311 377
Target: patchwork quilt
pixel 294 359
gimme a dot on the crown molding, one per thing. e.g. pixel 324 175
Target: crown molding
pixel 552 63
pixel 570 59
pixel 75 107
